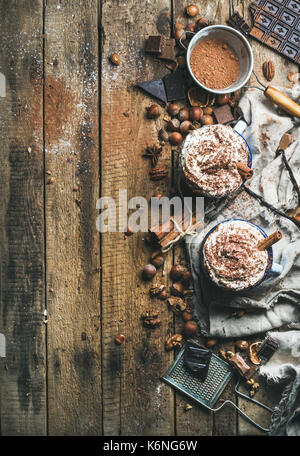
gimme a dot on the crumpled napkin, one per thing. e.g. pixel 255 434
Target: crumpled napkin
pixel 277 301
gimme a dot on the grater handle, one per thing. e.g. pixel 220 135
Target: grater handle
pixel 260 404
pixel 241 413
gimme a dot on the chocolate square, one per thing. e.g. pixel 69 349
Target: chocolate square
pixel 223 114
pixel 168 52
pixel 174 85
pixel 155 44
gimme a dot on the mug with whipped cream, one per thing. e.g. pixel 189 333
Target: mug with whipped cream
pixel 231 258
pixel 211 159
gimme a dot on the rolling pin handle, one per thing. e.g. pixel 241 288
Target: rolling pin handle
pixel 282 100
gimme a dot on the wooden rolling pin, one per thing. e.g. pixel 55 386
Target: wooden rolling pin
pixel 282 100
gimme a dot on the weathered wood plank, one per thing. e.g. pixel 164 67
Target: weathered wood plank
pixel 135 400
pixel 22 382
pixel 73 245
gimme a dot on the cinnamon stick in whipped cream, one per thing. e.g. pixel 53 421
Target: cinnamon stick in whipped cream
pixel 269 241
pixel 244 170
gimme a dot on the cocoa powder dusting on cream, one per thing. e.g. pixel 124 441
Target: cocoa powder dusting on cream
pixel 215 64
pixel 231 257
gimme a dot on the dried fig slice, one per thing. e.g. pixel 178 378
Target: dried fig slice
pixel 253 349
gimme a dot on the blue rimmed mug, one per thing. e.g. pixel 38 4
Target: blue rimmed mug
pixel 271 269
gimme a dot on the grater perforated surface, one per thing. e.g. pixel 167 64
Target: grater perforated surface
pixel 206 393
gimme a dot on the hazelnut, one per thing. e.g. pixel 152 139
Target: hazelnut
pixel 222 353
pixel 163 295
pixel 153 111
pixel 210 343
pixel 242 345
pixel 208 111
pixel 163 135
pixel 177 289
pixel 190 328
pixel 173 109
pixel 115 59
pixel 191 27
pixel 175 138
pixel 176 272
pixel 187 276
pixel 249 383
pixel 183 114
pixel 201 23
pixel 119 339
pixel 181 61
pixel 185 127
pixel 196 113
pixel 178 26
pixel 187 315
pixel 207 120
pixel 149 272
pixel 173 124
pixel 179 34
pixel 192 10
pixel 158 261
pixel 223 98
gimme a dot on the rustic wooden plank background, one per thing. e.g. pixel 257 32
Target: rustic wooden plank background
pixel 72 127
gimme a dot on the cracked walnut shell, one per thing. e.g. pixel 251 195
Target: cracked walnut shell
pixel 173 342
pixel 177 305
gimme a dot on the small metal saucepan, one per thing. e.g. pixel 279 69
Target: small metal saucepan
pixel 242 48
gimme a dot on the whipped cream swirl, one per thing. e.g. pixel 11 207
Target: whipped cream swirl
pixel 231 257
pixel 208 160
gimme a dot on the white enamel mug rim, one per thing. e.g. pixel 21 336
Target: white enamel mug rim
pixel 244 42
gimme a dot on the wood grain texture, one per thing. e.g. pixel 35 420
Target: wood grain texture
pixel 135 401
pixel 22 382
pixel 73 244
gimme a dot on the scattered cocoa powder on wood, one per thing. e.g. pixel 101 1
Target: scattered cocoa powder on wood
pixel 214 63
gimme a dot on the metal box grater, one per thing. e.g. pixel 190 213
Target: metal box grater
pixel 206 393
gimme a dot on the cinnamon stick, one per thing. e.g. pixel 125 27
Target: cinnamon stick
pixel 244 171
pixel 164 237
pixel 269 241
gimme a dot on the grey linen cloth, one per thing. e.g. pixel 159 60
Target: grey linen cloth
pixel 285 366
pixel 276 302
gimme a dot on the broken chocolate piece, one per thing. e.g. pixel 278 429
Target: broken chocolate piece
pixel 240 364
pixel 168 51
pixel 237 22
pixel 223 114
pixel 154 88
pixel 174 83
pixel 197 359
pixel 252 370
pixel 155 44
pixel 267 349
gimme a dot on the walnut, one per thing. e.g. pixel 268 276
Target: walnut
pixel 156 289
pixel 177 304
pixel 242 345
pixel 150 318
pixel 173 342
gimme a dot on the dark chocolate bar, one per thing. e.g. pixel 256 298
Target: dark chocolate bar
pixel 155 44
pixel 277 25
pixel 197 359
pixel 267 349
pixel 223 114
pixel 237 22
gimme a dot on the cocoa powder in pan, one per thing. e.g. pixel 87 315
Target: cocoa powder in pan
pixel 214 63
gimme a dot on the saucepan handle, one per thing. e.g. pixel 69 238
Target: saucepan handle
pixel 276 269
pixel 240 126
pixel 180 39
pixel 282 100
